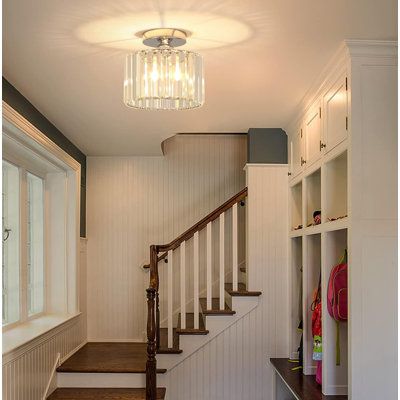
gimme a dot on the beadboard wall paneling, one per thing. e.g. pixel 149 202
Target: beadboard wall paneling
pixel 137 201
pixel 27 370
pixel 235 364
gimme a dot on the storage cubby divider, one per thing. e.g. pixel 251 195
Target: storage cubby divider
pixel 296 309
pixel 334 379
pixel 311 276
pixel 296 204
pixel 312 195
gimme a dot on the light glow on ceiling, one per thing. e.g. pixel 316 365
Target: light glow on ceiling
pixel 207 30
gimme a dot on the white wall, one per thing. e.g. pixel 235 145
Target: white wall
pixel 27 370
pixel 235 364
pixel 373 271
pixel 133 202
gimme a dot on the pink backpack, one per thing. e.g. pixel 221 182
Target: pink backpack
pixel 337 292
pixel 337 298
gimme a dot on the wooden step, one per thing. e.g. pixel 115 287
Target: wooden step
pixel 189 330
pixel 108 357
pixel 241 290
pixel 215 308
pixel 102 394
pixel 164 342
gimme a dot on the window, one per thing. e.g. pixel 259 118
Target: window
pixel 11 233
pixel 35 251
pixel 23 245
pixel 40 259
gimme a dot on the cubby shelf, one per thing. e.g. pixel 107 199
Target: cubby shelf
pixel 324 227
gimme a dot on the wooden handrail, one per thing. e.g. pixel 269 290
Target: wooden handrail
pixel 153 312
pixel 199 225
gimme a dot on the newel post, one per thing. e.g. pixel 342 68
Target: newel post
pixel 151 364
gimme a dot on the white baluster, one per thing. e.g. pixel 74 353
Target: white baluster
pixel 209 271
pixel 222 261
pixel 170 300
pixel 183 288
pixel 235 246
pixel 196 279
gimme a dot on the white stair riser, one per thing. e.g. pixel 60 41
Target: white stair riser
pixel 103 380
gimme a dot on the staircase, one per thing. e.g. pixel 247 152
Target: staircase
pixel 136 370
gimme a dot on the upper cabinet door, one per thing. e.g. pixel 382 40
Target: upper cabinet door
pixel 313 134
pixel 297 156
pixel 335 110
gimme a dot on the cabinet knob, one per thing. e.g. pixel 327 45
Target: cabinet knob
pixel 289 173
pixel 303 161
pixel 321 145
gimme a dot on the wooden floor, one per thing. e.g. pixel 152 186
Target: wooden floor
pixel 304 386
pixel 108 357
pixel 102 394
pixel 214 307
pixel 242 291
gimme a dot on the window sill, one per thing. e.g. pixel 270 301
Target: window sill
pixel 28 331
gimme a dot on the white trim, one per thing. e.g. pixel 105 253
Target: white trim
pixel 30 344
pixel 15 120
pixel 62 260
pixel 252 165
pixel 52 376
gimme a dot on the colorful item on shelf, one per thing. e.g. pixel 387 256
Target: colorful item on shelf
pixel 337 298
pixel 336 218
pixel 316 323
pixel 317 217
pixel 337 291
pixel 318 375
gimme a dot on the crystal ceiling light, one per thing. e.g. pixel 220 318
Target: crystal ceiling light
pixel 164 78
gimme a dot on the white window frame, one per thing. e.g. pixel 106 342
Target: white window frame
pixel 23 169
pixel 61 175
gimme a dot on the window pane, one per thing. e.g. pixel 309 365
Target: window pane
pixel 11 234
pixel 35 245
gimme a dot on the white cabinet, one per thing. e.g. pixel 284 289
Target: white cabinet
pixel 312 126
pixel 297 151
pixel 335 114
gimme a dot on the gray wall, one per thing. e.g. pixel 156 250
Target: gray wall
pixel 267 146
pixel 19 103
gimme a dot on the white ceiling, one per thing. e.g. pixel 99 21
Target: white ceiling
pixel 67 58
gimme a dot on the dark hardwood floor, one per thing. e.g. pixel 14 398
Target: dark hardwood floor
pixel 304 386
pixel 164 342
pixel 215 308
pixel 108 357
pixel 241 290
pixel 102 394
pixel 189 330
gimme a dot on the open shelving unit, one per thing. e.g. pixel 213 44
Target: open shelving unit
pixel 314 251
pixel 344 164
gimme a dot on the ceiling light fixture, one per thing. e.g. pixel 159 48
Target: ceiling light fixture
pixel 164 78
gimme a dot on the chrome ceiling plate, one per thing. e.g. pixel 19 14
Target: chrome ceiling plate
pixel 164 36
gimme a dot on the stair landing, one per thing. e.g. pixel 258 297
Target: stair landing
pixel 108 357
pixel 102 394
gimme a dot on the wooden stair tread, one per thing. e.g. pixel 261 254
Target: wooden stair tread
pixel 215 308
pixel 189 330
pixel 108 357
pixel 241 290
pixel 102 394
pixel 164 349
